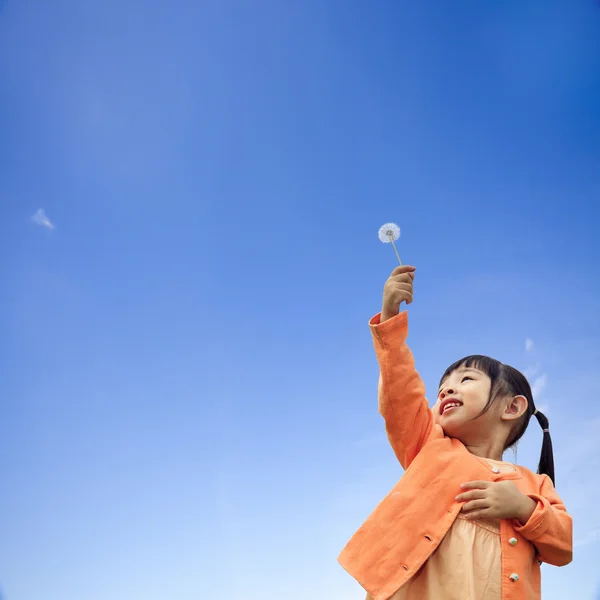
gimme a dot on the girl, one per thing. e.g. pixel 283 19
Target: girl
pixel 461 524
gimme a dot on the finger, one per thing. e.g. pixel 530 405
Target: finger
pixel 401 293
pixel 474 495
pixel 403 285
pixel 402 277
pixel 403 269
pixel 405 295
pixel 475 505
pixel 471 485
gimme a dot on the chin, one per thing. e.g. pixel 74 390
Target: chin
pixel 453 430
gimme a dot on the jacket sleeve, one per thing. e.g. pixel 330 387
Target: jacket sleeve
pixel 401 392
pixel 550 528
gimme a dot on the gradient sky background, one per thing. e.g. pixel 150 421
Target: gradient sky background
pixel 188 390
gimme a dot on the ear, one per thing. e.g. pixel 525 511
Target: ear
pixel 514 408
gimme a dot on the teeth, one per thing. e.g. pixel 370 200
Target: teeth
pixel 450 405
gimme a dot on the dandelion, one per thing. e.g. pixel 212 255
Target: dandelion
pixel 389 233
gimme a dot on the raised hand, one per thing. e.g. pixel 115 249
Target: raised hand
pixel 398 288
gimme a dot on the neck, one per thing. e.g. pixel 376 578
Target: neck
pixel 486 441
pixel 492 450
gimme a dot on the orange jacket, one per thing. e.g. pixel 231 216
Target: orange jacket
pixel 407 526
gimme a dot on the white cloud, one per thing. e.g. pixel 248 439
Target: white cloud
pixel 528 345
pixel 588 538
pixel 40 218
pixel 531 372
pixel 538 386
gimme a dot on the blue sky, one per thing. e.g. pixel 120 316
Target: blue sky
pixel 188 381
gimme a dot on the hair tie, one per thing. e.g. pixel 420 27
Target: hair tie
pixel 546 430
pixel 535 412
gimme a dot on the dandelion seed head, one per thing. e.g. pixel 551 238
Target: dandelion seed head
pixel 389 232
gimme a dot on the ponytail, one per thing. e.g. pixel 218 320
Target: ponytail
pixel 546 464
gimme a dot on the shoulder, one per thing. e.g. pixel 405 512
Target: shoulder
pixel 530 475
pixel 534 479
pixel 528 472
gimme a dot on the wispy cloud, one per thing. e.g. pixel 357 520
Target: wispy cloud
pixel 538 385
pixel 531 372
pixel 588 538
pixel 536 377
pixel 40 218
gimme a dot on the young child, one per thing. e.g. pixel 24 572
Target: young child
pixel 461 524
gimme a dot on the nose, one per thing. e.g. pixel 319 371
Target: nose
pixel 447 391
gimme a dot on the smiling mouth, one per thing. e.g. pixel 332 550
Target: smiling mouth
pixel 448 405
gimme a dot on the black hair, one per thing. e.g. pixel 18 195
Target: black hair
pixel 507 381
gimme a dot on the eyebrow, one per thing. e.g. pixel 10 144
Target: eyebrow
pixel 462 370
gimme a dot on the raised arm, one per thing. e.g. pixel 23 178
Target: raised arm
pixel 402 402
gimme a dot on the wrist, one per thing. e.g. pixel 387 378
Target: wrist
pixel 387 313
pixel 526 510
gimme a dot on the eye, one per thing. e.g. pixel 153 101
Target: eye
pixel 465 378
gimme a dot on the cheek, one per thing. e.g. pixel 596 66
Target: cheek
pixel 476 403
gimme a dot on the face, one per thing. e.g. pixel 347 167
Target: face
pixel 461 398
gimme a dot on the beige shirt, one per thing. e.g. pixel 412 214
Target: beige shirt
pixel 467 565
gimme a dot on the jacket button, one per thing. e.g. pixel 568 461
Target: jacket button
pixel 496 470
pixel 513 541
pixel 514 577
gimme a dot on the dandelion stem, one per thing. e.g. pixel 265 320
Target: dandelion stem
pixel 396 251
